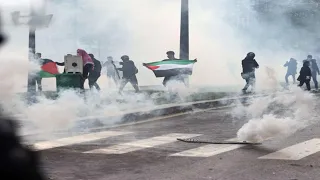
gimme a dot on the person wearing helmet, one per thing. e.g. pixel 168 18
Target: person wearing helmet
pixel 314 70
pixel 291 70
pixel 249 64
pixel 129 73
pixel 305 75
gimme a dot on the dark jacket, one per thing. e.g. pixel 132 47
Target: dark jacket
pixel 305 72
pixel 97 68
pixel 314 66
pixel 128 68
pixel 249 65
pixel 292 67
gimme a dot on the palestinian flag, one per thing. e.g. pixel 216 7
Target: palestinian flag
pixel 171 67
pixel 48 69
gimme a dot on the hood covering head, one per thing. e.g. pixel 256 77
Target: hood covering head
pixel 85 57
pixel 251 55
pixel 306 63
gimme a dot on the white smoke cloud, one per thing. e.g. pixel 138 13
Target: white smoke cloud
pixel 276 116
pixel 221 33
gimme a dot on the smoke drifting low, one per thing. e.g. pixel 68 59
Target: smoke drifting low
pixel 278 115
pixel 221 33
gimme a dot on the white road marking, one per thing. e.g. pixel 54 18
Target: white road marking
pixel 296 152
pixel 77 139
pixel 141 144
pixel 209 150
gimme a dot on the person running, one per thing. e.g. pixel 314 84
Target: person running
pixel 291 70
pixel 111 69
pixel 249 64
pixel 305 75
pixel 181 78
pixel 88 65
pixel 95 73
pixel 129 73
pixel 314 70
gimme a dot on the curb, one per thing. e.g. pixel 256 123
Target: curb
pixel 98 122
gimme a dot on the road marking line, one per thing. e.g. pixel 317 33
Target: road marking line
pixel 209 150
pixel 77 139
pixel 141 144
pixel 296 152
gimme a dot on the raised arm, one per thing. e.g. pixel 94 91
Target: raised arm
pixel 60 64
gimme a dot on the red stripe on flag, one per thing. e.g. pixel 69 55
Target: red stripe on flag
pixel 152 67
pixel 50 67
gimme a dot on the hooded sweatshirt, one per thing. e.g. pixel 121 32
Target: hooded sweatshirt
pixel 305 72
pixel 85 57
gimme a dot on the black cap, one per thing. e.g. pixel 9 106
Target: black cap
pixel 124 57
pixel 170 52
pixel 309 56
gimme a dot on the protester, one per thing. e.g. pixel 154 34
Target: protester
pixel 38 58
pixel 305 75
pixel 129 73
pixel 314 70
pixel 95 73
pixel 88 65
pixel 291 70
pixel 249 64
pixel 180 78
pixel 111 69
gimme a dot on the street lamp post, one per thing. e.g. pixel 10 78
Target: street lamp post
pixel 34 22
pixel 31 88
pixel 184 34
pixel 184 30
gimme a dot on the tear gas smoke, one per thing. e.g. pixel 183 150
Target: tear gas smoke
pixel 217 28
pixel 221 33
pixel 277 115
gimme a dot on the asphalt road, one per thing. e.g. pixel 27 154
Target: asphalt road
pixel 149 151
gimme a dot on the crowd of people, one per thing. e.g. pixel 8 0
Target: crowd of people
pixel 93 68
pixel 309 71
